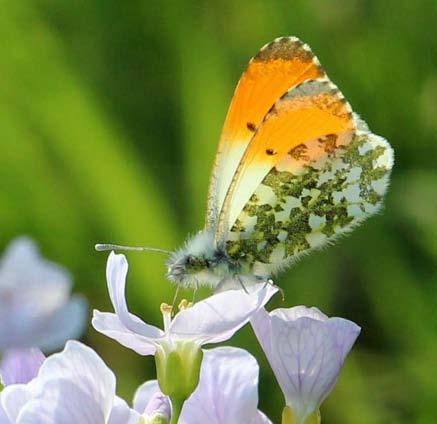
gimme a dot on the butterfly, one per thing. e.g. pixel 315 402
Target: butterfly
pixel 295 169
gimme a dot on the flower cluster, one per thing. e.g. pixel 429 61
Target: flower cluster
pixel 194 385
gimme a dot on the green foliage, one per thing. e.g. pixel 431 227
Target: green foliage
pixel 110 117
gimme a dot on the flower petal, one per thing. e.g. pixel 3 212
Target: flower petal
pixel 79 369
pixel 122 414
pixel 110 325
pixel 144 395
pixel 62 401
pixel 32 293
pixel 3 417
pixel 13 398
pixel 20 366
pixel 306 351
pixel 292 314
pixel 116 272
pixel 261 418
pixel 23 268
pixel 149 400
pixel 218 317
pixel 228 389
pixel 67 323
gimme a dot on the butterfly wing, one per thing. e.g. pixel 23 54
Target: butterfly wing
pixel 311 110
pixel 278 66
pixel 322 186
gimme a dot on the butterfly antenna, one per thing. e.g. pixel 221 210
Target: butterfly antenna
pixel 104 247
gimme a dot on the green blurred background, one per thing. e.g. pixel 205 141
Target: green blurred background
pixel 110 113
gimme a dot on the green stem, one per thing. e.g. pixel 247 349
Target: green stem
pixel 176 409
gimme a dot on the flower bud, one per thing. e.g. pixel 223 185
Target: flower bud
pixel 178 368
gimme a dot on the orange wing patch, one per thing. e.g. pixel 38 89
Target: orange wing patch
pixel 312 110
pixel 278 67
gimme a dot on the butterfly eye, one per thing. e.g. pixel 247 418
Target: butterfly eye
pixel 271 152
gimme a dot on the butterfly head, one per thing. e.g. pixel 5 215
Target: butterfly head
pixel 183 268
pixel 194 262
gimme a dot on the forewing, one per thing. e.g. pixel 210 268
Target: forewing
pixel 278 66
pixel 308 199
pixel 313 109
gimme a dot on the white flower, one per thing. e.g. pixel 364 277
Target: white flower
pixel 306 351
pixel 212 320
pixel 177 349
pixel 36 309
pixel 74 386
pixel 227 392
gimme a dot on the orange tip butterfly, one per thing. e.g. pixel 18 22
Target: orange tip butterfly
pixel 295 168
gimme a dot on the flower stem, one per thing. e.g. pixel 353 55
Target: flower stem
pixel 176 409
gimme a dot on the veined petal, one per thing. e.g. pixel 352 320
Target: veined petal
pixel 228 389
pixel 122 414
pixel 74 386
pixel 218 317
pixel 13 398
pixel 62 401
pixel 262 326
pixel 110 325
pixel 116 272
pixel 150 401
pixel 19 366
pixel 144 395
pixel 79 369
pixel 292 314
pixel 306 351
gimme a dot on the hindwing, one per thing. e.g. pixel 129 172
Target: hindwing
pixel 319 190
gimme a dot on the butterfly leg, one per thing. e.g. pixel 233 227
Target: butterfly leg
pixel 280 289
pixel 238 278
pixel 220 286
pixel 175 299
pixel 194 293
pixel 270 282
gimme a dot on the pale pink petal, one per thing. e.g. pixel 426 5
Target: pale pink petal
pixel 144 395
pixel 80 367
pixel 62 401
pixel 20 366
pixel 292 314
pixel 34 293
pixel 228 389
pixel 25 271
pixel 121 413
pixel 3 417
pixel 13 398
pixel 149 401
pixel 306 351
pixel 218 317
pixel 116 272
pixel 110 325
